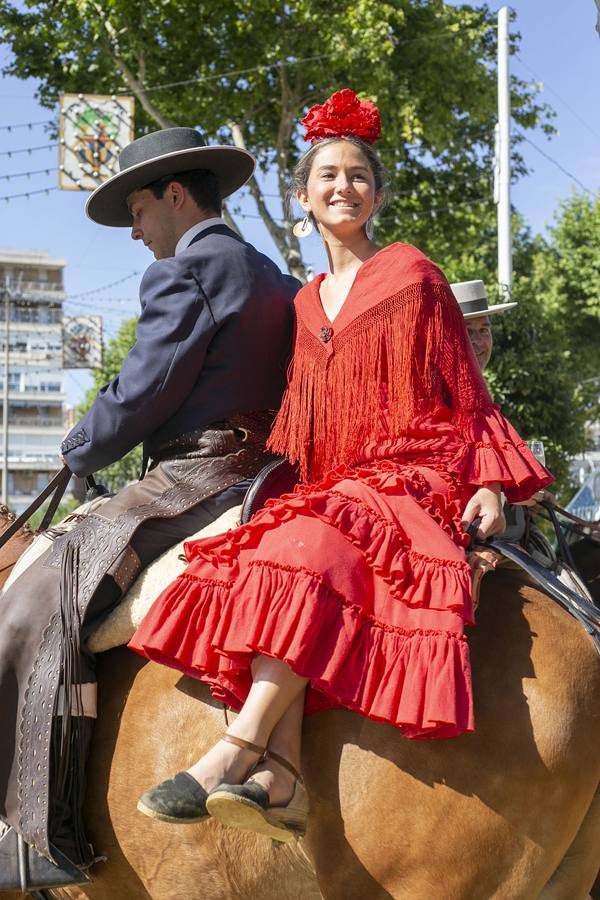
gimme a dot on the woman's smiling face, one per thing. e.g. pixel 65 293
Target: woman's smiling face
pixel 340 192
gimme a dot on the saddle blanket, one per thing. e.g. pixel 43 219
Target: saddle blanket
pixel 119 626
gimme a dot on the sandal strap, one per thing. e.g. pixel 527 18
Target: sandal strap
pixel 244 745
pixel 283 762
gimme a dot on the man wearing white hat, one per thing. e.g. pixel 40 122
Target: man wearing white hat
pixel 473 301
pixel 198 390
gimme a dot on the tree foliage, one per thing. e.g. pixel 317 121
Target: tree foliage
pixel 547 350
pixel 246 72
pixel 532 377
pixel 567 275
pixel 65 507
pixel 127 469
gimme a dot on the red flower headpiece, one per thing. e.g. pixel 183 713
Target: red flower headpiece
pixel 343 115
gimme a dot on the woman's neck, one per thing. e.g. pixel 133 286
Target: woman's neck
pixel 347 255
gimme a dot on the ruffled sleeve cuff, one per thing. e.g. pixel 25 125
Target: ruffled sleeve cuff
pixel 495 452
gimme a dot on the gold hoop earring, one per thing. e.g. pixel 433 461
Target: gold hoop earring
pixel 303 228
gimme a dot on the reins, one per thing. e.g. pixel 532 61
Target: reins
pixel 584 527
pixel 56 487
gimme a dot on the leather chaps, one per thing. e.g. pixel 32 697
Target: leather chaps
pixel 51 609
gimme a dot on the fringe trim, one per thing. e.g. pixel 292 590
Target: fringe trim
pixel 69 732
pixel 401 359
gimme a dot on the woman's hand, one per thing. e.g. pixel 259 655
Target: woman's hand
pixel 485 504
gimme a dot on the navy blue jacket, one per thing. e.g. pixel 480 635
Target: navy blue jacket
pixel 213 339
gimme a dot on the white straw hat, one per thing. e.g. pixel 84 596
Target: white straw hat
pixel 473 300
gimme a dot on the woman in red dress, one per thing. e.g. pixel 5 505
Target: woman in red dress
pixel 353 590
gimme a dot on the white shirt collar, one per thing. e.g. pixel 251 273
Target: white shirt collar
pixel 185 240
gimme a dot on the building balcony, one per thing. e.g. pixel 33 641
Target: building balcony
pixel 29 359
pixel 38 284
pixel 33 393
pixel 35 461
pixel 38 329
pixel 34 423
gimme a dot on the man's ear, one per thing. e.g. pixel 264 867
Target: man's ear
pixel 176 194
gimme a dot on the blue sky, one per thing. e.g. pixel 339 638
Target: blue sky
pixel 559 48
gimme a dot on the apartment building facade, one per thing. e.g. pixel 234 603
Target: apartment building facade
pixel 32 287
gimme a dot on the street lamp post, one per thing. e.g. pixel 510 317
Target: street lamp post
pixel 5 393
pixel 502 185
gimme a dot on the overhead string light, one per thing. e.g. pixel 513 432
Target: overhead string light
pixel 103 287
pixel 29 125
pixel 47 171
pixel 27 194
pixel 28 150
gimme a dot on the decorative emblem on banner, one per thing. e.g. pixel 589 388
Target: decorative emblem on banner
pixel 82 342
pixel 94 128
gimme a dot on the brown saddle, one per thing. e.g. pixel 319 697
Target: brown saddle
pixel 277 478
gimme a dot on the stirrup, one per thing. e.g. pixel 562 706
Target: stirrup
pixel 23 869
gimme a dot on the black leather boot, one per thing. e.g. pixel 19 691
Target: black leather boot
pixel 23 869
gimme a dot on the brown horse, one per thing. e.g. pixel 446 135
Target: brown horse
pixel 13 548
pixel 586 554
pixel 512 811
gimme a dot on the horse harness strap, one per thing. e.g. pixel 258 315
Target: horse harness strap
pixel 586 613
pixel 481 560
pixel 57 487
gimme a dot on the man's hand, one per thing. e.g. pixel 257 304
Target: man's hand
pixel 486 505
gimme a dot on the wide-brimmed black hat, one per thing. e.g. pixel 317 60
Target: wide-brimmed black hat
pixel 162 153
pixel 473 300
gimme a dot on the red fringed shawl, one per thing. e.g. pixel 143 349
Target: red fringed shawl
pixel 358 579
pixel 397 352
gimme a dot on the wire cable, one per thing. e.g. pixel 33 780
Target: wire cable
pixel 29 125
pixel 29 174
pixel 29 150
pixel 103 287
pixel 557 164
pixel 29 194
pixel 573 112
pixel 445 34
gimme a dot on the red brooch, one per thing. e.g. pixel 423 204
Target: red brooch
pixel 343 115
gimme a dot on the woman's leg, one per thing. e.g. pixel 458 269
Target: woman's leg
pixel 285 740
pixel 274 689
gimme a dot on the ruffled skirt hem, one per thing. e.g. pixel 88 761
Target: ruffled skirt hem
pixel 415 679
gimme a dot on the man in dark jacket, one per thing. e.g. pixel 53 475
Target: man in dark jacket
pixel 198 389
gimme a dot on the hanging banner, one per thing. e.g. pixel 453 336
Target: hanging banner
pixel 82 342
pixel 93 130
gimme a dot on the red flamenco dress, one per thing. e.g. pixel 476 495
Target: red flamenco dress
pixel 358 579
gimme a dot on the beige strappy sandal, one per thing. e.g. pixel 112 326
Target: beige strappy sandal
pixel 247 806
